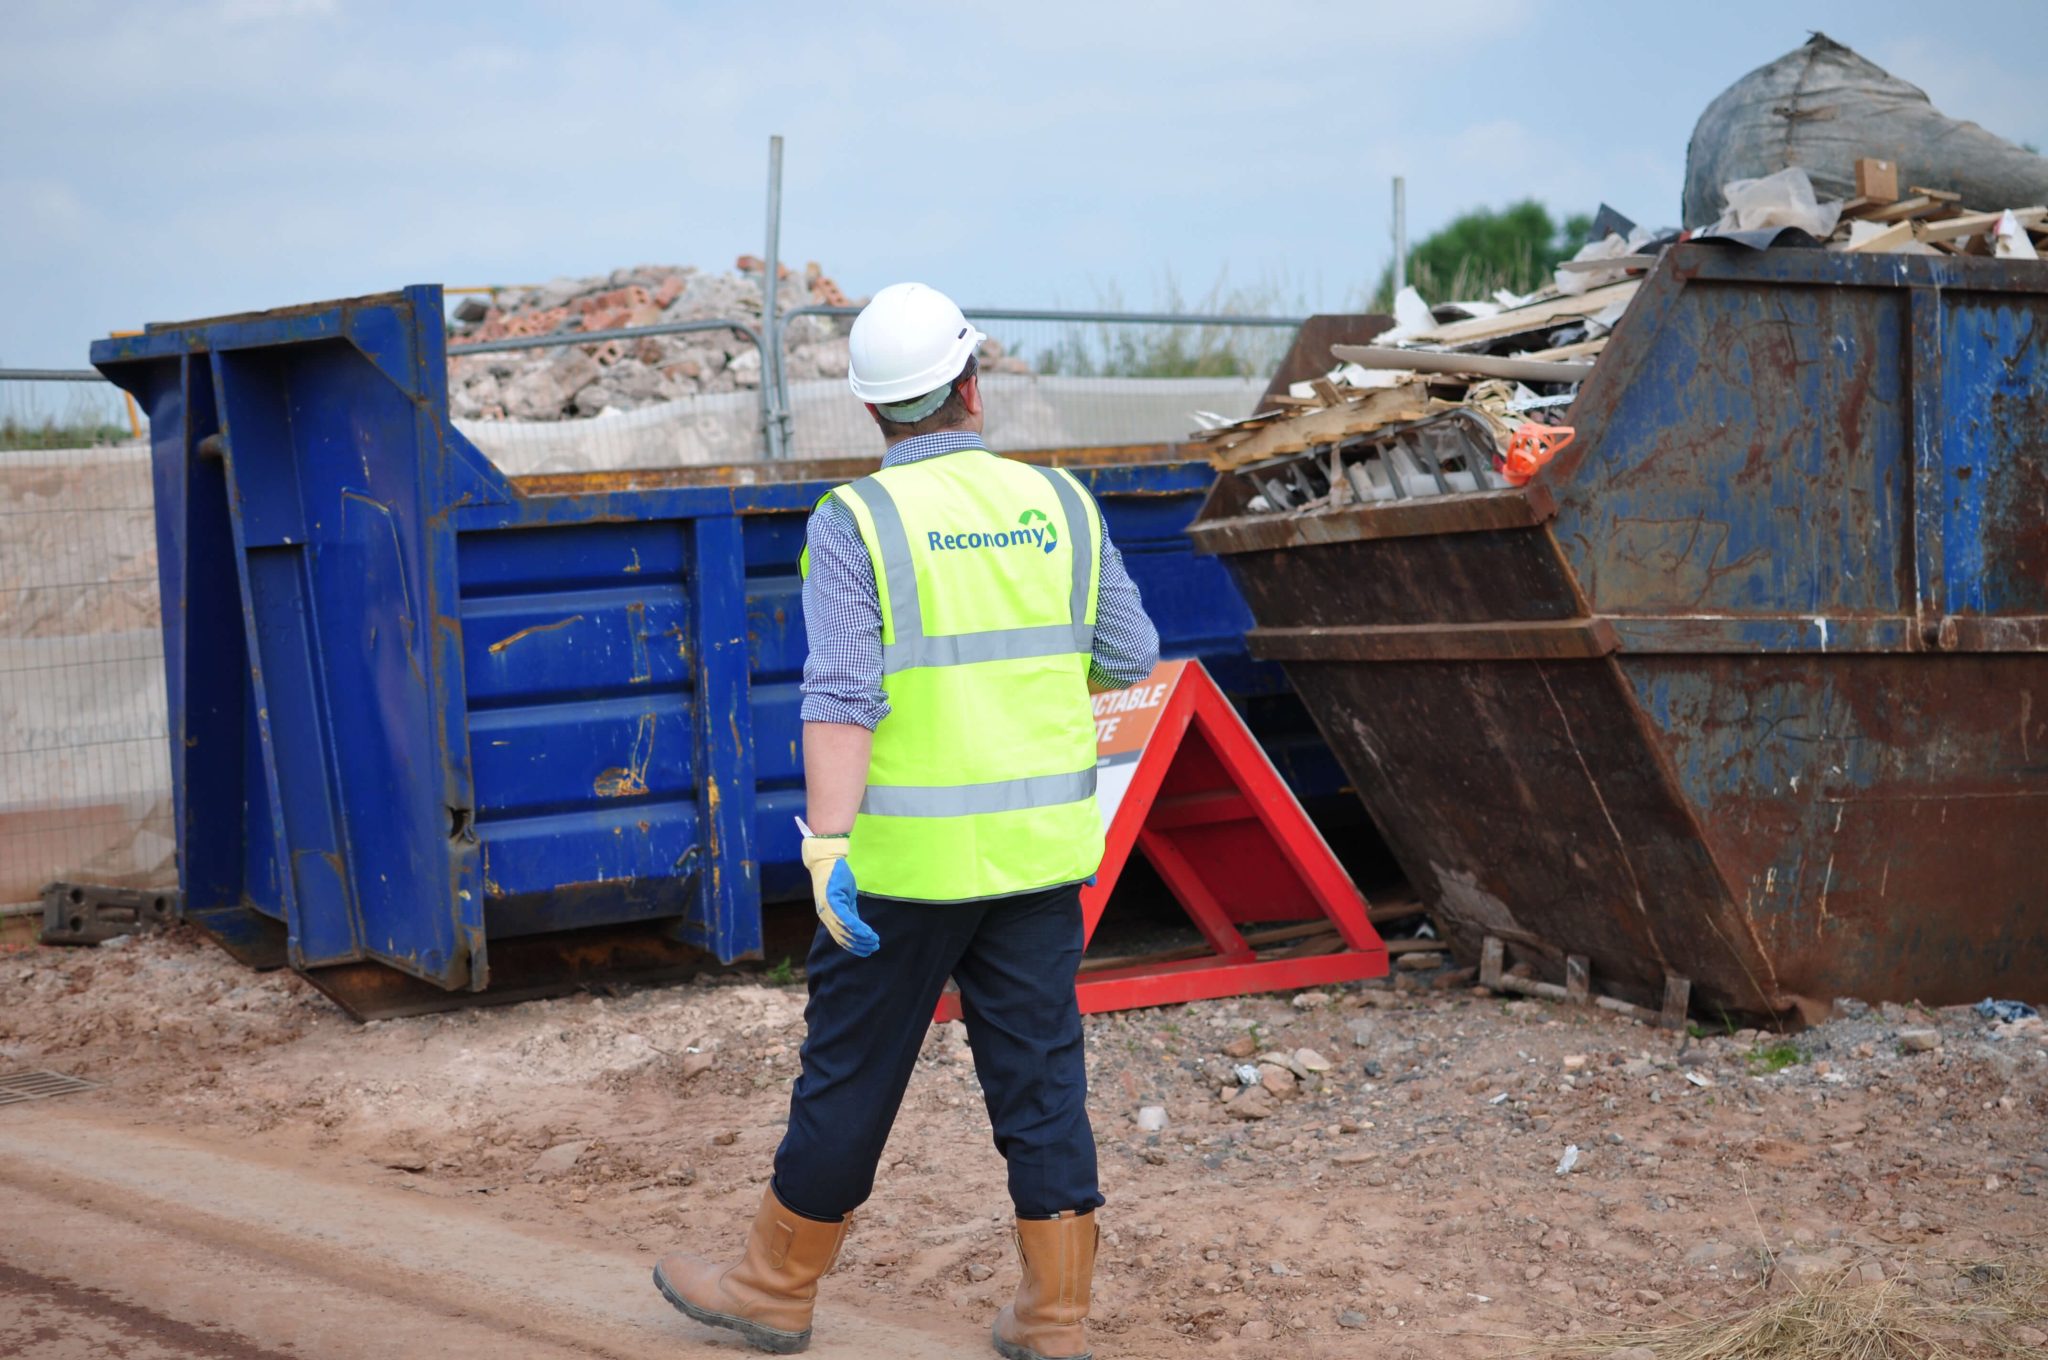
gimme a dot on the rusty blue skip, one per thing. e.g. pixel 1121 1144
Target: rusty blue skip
pixel 1750 686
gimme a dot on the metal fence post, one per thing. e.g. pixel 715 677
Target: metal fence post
pixel 773 430
pixel 1400 234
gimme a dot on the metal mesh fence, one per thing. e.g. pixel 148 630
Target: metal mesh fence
pixel 84 766
pixel 62 409
pixel 1051 379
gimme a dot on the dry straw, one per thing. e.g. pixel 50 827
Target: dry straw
pixel 1843 1318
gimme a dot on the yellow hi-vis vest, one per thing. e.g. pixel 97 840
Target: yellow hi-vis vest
pixel 982 781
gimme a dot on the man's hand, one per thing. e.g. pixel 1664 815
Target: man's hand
pixel 835 895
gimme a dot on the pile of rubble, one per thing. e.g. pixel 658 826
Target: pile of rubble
pixel 581 380
pixel 1468 396
pixel 1432 406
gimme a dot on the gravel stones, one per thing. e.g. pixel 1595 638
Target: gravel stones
pixel 1253 1102
pixel 1278 1081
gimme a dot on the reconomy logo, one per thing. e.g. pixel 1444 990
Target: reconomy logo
pixel 1036 532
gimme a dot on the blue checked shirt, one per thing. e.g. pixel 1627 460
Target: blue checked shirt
pixel 843 610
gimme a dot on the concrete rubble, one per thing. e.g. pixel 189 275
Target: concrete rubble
pixel 579 381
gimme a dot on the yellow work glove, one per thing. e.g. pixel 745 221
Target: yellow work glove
pixel 835 896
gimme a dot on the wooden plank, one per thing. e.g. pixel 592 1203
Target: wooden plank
pixel 1394 911
pixel 1611 262
pixel 1584 349
pixel 1548 640
pixel 1877 179
pixel 1969 224
pixel 1327 943
pixel 1478 365
pixel 1327 390
pixel 1536 316
pixel 1891 238
pixel 1181 954
pixel 1904 209
pixel 1938 195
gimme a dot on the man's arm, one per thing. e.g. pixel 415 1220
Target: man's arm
pixel 1126 643
pixel 842 686
pixel 835 774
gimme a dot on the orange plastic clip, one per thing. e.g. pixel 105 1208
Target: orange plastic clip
pixel 1530 447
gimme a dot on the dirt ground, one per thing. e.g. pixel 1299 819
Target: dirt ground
pixel 498 1181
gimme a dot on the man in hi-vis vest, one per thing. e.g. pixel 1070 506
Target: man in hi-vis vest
pixel 961 608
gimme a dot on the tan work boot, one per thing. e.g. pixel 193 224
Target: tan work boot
pixel 1049 1320
pixel 767 1297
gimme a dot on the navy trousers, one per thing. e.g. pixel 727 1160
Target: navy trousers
pixel 1014 959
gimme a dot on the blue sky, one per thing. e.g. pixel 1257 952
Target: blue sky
pixel 171 159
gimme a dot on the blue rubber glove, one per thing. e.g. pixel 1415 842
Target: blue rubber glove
pixel 835 895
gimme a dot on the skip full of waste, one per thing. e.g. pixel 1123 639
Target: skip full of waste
pixel 1472 396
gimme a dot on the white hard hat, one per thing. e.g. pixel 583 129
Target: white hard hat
pixel 910 340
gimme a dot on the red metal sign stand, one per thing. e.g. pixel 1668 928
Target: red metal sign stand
pixel 1184 782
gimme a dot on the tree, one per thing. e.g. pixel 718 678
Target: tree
pixel 1515 248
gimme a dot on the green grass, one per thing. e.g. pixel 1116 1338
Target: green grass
pixel 49 434
pixel 1775 1057
pixel 1699 1031
pixel 40 415
pixel 783 974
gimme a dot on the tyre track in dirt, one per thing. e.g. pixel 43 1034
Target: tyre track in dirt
pixel 224 1252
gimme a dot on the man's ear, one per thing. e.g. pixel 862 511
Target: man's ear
pixel 970 395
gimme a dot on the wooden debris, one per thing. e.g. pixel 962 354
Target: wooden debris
pixel 1357 442
pixel 1611 262
pixel 1234 447
pixel 1970 224
pixel 1926 222
pixel 1584 349
pixel 1891 238
pixel 1920 205
pixel 1477 365
pixel 1536 316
